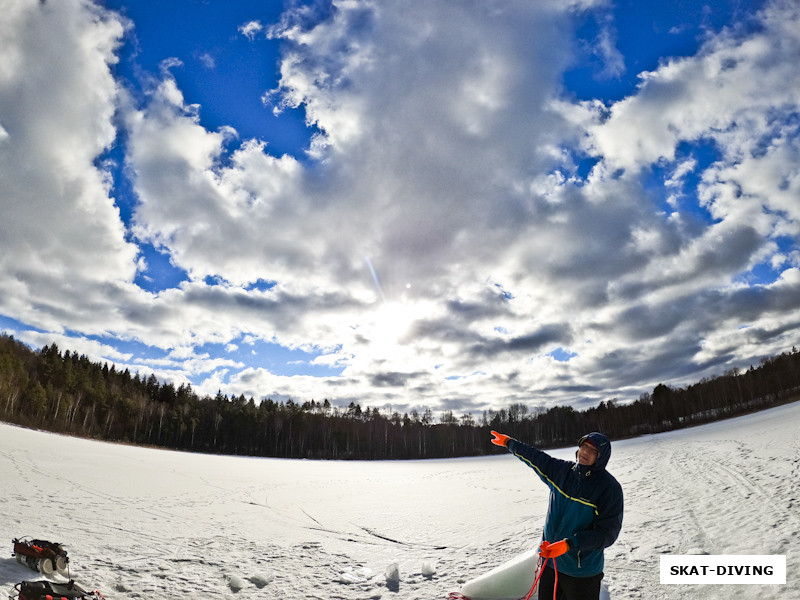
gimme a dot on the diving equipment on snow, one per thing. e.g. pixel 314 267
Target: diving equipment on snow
pixel 41 555
pixel 49 590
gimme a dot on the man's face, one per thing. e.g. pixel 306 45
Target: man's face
pixel 587 454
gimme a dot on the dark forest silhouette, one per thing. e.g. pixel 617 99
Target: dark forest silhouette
pixel 67 393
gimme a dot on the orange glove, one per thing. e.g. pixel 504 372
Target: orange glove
pixel 500 439
pixel 548 550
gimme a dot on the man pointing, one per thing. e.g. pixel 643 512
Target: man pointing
pixel 584 515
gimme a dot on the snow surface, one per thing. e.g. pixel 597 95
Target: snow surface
pixel 155 524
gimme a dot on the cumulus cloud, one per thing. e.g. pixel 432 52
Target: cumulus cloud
pixel 63 242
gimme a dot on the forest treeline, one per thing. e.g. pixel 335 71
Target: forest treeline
pixel 68 393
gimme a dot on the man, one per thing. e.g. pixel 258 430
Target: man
pixel 584 515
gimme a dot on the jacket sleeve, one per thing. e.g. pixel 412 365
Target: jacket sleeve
pixel 547 467
pixel 606 525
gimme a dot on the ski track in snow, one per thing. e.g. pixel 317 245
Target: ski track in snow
pixel 145 523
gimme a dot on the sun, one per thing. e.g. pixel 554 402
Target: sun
pixel 391 323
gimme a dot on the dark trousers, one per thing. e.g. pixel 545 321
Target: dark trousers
pixel 569 588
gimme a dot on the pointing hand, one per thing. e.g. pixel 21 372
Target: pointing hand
pixel 500 439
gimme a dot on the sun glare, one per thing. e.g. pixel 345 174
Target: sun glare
pixel 391 322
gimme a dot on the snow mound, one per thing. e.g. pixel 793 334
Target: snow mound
pixel 428 570
pixel 261 580
pixel 359 575
pixel 236 583
pixel 392 573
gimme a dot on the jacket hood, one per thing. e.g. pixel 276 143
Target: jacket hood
pixel 603 445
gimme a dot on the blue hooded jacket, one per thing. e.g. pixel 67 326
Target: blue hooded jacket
pixel 585 504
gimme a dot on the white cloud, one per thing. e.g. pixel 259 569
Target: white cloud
pixel 251 29
pixel 207 59
pixel 63 242
pixel 606 47
pixel 727 93
pixel 95 351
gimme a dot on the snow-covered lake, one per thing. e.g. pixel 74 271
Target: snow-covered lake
pixel 154 524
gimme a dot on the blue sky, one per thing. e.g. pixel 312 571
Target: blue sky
pixel 453 205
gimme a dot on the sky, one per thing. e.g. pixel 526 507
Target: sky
pixel 448 205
